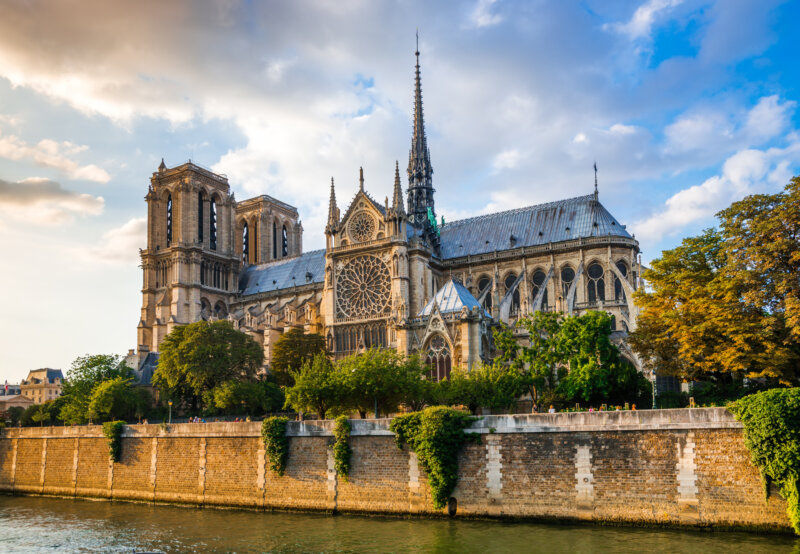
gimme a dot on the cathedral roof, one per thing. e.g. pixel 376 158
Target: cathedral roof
pixel 563 220
pixel 452 297
pixel 304 269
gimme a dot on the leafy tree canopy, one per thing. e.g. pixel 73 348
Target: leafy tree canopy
pixel 118 399
pixel 253 398
pixel 318 387
pixel 84 375
pixel 293 349
pixel 726 304
pixel 198 357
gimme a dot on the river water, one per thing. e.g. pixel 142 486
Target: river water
pixel 38 524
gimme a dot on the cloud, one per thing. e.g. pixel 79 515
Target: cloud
pixel 45 202
pixel 508 159
pixel 482 16
pixel 641 23
pixel 56 155
pixel 746 172
pixel 119 245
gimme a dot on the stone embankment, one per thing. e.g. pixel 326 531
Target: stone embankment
pixel 670 467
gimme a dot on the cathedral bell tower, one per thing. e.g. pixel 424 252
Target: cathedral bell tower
pixel 189 266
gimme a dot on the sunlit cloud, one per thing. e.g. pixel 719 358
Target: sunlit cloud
pixel 45 202
pixel 52 154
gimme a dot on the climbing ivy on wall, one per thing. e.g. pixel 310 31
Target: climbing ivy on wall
pixel 771 422
pixel 276 443
pixel 341 448
pixel 112 430
pixel 436 434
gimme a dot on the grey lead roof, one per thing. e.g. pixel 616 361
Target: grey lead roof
pixel 559 221
pixel 451 298
pixel 304 269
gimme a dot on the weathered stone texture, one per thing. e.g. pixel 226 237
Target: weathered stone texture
pixel 29 465
pixel 686 467
pixel 60 457
pixel 231 471
pixel 177 469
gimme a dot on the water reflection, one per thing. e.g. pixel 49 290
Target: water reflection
pixel 29 524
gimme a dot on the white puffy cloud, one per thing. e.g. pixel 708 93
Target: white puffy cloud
pixel 56 155
pixel 507 159
pixel 746 172
pixel 119 245
pixel 45 202
pixel 641 22
pixel 482 16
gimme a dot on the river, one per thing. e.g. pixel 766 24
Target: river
pixel 39 524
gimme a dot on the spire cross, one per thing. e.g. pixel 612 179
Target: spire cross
pixel 595 179
pixel 361 179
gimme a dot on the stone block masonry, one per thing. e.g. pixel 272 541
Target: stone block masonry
pixel 663 467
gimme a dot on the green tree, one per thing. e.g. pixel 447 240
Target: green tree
pixel 15 414
pixel 379 380
pixel 251 397
pixel 318 387
pixel 293 349
pixel 117 399
pixel 198 357
pixel 496 386
pixel 596 373
pixel 81 379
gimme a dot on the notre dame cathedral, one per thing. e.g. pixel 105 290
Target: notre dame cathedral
pixel 390 276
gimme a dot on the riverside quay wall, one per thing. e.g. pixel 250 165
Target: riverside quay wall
pixel 681 467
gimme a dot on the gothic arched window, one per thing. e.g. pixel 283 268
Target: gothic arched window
pixel 284 242
pixel 438 359
pixel 509 282
pixel 169 219
pixel 567 276
pixel 245 243
pixel 274 240
pixel 200 216
pixel 538 282
pixel 619 290
pixel 596 288
pixel 212 213
pixel 483 284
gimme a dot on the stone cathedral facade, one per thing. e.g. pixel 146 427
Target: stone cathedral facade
pixel 390 275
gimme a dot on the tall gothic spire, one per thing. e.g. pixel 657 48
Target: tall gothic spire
pixel 333 215
pixel 397 199
pixel 420 171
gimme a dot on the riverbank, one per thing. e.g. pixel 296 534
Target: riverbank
pixel 659 467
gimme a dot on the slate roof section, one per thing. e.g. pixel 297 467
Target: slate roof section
pixel 305 269
pixel 452 297
pixel 144 375
pixel 559 221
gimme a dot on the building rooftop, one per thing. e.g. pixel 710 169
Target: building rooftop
pixel 452 297
pixel 559 221
pixel 307 268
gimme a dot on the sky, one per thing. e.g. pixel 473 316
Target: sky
pixel 685 105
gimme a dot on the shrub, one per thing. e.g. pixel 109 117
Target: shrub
pixel 341 448
pixel 772 435
pixel 276 443
pixel 113 432
pixel 436 435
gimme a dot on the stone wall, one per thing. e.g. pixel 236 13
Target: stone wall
pixel 682 467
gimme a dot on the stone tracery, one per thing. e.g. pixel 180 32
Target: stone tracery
pixel 363 288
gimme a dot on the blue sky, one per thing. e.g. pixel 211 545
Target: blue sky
pixel 685 105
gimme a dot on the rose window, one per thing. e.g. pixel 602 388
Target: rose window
pixel 362 227
pixel 362 288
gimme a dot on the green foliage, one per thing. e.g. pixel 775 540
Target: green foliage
pixel 318 387
pixel 276 443
pixel 198 357
pixel 292 351
pixel 15 414
pixel 253 398
pixel 494 386
pixel 725 305
pixel 341 448
pixel 436 434
pixel 772 435
pixel 85 374
pixel 378 380
pixel 117 398
pixel 112 430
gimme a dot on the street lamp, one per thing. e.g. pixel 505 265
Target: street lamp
pixel 170 411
